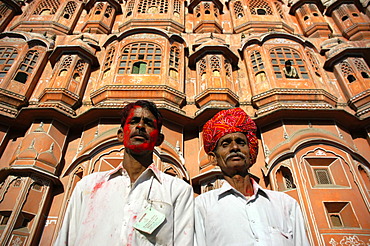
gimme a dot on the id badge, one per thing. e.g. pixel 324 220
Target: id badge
pixel 149 220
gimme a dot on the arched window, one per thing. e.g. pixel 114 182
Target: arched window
pixel 228 70
pixel 365 177
pixel 174 62
pixel 202 68
pixel 77 76
pixel 362 67
pixel 238 10
pixel 47 7
pixel 108 62
pixel 148 6
pixel 207 8
pixel 130 8
pixel 98 8
pixel 279 9
pixel 348 72
pixel 27 66
pixel 216 66
pixel 314 63
pixel 69 10
pixel 7 58
pixel 284 179
pixel 259 7
pixel 176 8
pixel 197 11
pixel 65 65
pixel 280 59
pixel 139 56
pixel 108 11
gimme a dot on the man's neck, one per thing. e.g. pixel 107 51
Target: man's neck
pixel 243 184
pixel 135 165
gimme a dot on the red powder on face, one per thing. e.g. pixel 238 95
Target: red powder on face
pixel 153 136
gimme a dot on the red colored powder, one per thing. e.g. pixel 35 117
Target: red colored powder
pixel 153 137
pixel 97 186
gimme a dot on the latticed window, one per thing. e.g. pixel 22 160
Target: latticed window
pixel 197 11
pixel 215 65
pixel 322 176
pixel 108 11
pixel 202 68
pixel 279 9
pixel 259 7
pixel 177 8
pixel 174 62
pixel 257 62
pixel 141 58
pixel 69 10
pixel 215 10
pixel 228 70
pixel 153 6
pixel 27 66
pixel 207 8
pixel 279 58
pixel 99 7
pixel 47 7
pixel 7 58
pixel 65 65
pixel 3 10
pixel 348 71
pixel 314 63
pixel 130 8
pixel 108 61
pixel 79 71
pixel 362 67
pixel 238 10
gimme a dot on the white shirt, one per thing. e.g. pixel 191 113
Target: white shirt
pixel 104 207
pixel 269 218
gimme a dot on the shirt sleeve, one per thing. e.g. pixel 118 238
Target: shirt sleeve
pixel 68 232
pixel 299 232
pixel 184 217
pixel 200 233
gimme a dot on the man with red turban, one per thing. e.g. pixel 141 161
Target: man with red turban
pixel 241 212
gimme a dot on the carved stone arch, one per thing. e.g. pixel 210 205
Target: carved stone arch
pixel 172 165
pixel 282 176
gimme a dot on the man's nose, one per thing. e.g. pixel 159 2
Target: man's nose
pixel 235 147
pixel 140 124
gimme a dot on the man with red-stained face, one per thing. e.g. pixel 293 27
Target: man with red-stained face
pixel 135 203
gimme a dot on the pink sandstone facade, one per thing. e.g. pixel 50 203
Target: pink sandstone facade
pixel 67 67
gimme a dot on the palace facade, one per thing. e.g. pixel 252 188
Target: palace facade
pixel 300 68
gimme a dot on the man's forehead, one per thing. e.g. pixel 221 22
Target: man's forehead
pixel 139 111
pixel 232 135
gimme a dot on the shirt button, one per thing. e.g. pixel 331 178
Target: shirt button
pixel 257 239
pixel 252 221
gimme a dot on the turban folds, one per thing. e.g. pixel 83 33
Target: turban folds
pixel 230 121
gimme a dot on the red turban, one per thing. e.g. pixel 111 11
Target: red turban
pixel 230 121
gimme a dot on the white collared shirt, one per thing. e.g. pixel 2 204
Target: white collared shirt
pixel 268 218
pixel 104 207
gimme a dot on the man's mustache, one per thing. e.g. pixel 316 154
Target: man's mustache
pixel 236 154
pixel 140 134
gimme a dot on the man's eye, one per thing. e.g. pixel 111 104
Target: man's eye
pixel 224 144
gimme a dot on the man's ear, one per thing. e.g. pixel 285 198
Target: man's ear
pixel 120 134
pixel 212 158
pixel 160 139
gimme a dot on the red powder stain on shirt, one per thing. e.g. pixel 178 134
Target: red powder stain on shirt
pixel 97 186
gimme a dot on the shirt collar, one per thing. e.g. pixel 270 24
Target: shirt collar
pixel 226 187
pixel 120 170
